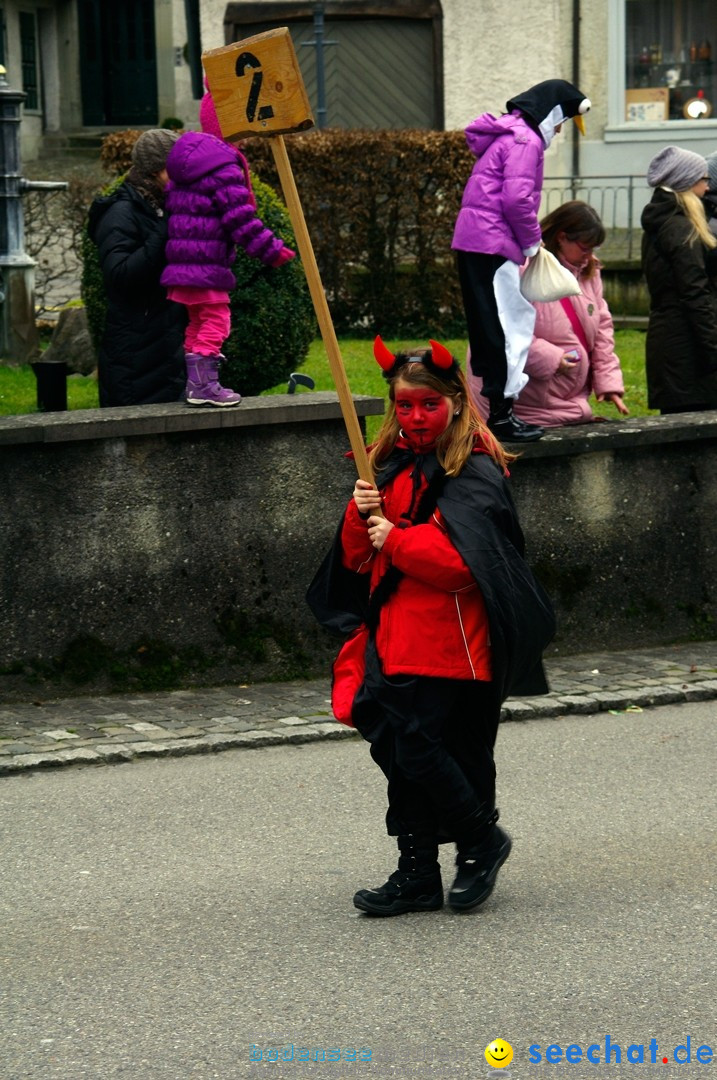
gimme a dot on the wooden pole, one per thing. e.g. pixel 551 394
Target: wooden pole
pixel 323 315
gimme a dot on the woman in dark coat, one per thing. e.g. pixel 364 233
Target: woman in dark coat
pixel 677 245
pixel 141 358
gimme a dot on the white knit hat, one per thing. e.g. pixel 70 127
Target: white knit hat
pixel 676 168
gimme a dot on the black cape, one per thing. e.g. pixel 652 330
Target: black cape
pixel 482 523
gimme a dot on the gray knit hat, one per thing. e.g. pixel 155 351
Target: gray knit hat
pixel 711 160
pixel 150 151
pixel 675 168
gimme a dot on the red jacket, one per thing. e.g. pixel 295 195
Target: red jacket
pixel 435 623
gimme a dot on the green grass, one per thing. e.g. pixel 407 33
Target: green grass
pixel 365 377
pixel 18 393
pixel 630 347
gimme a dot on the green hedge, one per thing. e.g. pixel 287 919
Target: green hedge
pixel 380 207
pixel 273 320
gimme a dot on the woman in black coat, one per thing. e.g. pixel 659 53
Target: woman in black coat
pixel 677 245
pixel 141 358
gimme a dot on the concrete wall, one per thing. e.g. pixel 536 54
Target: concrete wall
pixel 128 533
pixel 160 524
pixel 620 523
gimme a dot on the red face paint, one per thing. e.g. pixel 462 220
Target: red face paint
pixel 422 413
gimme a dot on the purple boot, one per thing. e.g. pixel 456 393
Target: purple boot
pixel 203 387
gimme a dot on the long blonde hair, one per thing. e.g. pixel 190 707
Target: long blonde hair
pixel 694 210
pixel 455 445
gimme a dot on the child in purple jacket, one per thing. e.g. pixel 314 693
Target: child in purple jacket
pixel 496 230
pixel 211 209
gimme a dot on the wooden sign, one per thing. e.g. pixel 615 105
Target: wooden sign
pixel 257 87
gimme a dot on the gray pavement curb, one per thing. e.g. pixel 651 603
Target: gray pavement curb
pixel 308 729
pixel 112 754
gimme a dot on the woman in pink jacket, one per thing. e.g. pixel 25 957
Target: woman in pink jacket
pixel 572 353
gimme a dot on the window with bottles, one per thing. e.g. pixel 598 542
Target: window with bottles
pixel 670 67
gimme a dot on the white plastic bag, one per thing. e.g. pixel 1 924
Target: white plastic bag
pixel 545 279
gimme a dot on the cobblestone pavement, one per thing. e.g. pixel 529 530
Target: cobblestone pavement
pixel 129 727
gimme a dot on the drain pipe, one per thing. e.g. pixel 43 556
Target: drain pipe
pixel 576 82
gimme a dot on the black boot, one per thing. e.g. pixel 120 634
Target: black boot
pixel 507 427
pixel 415 886
pixel 483 847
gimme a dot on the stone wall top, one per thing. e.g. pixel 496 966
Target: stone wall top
pixel 73 426
pixel 79 424
pixel 623 434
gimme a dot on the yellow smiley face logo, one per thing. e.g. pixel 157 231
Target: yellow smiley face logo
pixel 499 1053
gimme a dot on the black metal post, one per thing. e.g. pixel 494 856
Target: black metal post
pixel 319 43
pixel 18 333
pixel 577 16
pixel 19 339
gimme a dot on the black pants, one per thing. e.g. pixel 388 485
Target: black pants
pixel 673 410
pixel 485 332
pixel 433 739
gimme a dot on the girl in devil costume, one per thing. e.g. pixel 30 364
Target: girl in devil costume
pixel 427 574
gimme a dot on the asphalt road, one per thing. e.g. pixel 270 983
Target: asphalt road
pixel 160 919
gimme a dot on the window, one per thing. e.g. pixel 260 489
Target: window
pixel 28 53
pixel 669 63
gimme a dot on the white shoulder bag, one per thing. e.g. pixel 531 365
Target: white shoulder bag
pixel 545 279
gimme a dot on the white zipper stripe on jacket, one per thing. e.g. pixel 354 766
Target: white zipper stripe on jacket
pixel 458 606
pixel 463 633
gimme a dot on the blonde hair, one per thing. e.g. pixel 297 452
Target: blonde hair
pixel 694 210
pixel 455 445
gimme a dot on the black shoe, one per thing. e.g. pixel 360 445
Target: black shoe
pixel 477 870
pixel 511 428
pixel 402 893
pixel 415 886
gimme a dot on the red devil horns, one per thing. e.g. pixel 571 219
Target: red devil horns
pixel 440 355
pixel 383 354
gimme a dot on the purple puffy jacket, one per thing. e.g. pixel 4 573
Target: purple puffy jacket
pixel 211 209
pixel 499 211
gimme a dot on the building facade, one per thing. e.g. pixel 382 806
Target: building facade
pixel 647 65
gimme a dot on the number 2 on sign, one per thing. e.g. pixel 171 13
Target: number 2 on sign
pixel 248 60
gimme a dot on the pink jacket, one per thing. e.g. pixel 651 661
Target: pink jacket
pixel 551 398
pixel 499 210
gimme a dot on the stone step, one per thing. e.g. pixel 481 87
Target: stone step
pixel 630 322
pixel 79 144
pixel 76 146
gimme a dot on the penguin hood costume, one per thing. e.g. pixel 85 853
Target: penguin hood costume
pixel 549 104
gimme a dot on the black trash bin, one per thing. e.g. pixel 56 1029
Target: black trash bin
pixel 51 385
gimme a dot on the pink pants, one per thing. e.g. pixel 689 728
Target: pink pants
pixel 208 328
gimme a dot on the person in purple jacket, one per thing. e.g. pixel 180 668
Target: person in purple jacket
pixel 497 229
pixel 211 209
